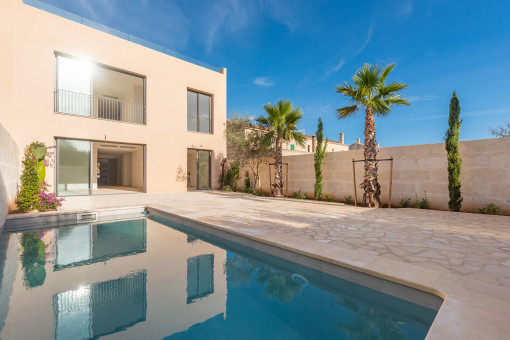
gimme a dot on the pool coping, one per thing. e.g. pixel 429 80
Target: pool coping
pixel 471 309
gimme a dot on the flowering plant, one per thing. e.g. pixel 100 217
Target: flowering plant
pixel 226 188
pixel 47 200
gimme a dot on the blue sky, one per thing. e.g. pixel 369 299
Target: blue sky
pixel 301 50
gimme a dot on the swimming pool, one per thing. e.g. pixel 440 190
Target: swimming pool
pixel 156 278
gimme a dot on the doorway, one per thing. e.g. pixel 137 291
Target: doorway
pixel 87 167
pixel 119 168
pixel 199 169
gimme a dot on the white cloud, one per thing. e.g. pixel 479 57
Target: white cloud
pixel 406 8
pixel 427 97
pixel 367 40
pixel 263 81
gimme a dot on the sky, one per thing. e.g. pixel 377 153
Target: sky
pixel 301 50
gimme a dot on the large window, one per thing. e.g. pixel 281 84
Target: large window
pixel 199 112
pixel 200 277
pixel 88 89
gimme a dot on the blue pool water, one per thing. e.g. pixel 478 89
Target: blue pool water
pixel 155 279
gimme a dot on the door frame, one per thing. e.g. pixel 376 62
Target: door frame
pixel 197 167
pixel 93 166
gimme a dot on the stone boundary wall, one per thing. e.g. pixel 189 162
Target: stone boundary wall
pixel 417 169
pixel 9 173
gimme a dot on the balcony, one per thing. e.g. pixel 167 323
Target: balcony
pixel 100 107
pixel 89 89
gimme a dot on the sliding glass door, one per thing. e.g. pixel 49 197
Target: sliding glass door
pixel 73 167
pixel 199 169
pixel 204 167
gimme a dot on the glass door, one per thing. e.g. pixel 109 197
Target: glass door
pixel 73 167
pixel 204 169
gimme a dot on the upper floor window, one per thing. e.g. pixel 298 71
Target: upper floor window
pixel 87 89
pixel 199 112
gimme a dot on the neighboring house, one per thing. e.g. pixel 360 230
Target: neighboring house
pixel 292 148
pixel 123 113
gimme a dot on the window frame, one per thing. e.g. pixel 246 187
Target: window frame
pixel 211 114
pixel 98 64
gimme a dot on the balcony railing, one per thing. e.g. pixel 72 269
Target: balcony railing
pixel 108 108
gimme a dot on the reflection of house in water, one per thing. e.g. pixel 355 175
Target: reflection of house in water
pixel 101 308
pixel 89 243
pixel 135 277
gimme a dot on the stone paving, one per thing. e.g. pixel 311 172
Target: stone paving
pixel 464 258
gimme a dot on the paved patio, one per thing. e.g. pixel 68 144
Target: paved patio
pixel 464 258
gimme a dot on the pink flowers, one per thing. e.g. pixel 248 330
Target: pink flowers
pixel 48 200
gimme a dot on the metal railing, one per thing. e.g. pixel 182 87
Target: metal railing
pixel 108 108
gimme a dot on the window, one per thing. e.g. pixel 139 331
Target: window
pixel 200 277
pixel 292 146
pixel 199 112
pixel 88 89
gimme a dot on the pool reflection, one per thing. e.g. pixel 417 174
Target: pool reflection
pixel 101 308
pixel 85 244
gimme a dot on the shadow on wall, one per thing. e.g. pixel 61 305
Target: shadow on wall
pixel 9 172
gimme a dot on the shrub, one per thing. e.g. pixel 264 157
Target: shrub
pixel 226 188
pixel 222 174
pixel 259 192
pixel 249 190
pixel 490 209
pixel 29 183
pixel 424 203
pixel 348 199
pixel 299 195
pixel 232 175
pixel 329 198
pixel 47 200
pixel 247 184
pixel 405 202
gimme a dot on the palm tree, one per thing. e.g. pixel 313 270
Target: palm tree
pixel 370 91
pixel 281 123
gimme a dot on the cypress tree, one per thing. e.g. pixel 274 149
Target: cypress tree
pixel 452 151
pixel 320 152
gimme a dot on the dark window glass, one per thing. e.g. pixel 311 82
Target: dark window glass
pixel 199 112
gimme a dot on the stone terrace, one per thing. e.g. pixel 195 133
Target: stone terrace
pixel 462 257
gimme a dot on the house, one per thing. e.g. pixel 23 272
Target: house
pixel 123 113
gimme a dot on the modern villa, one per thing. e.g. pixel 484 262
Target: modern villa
pixel 133 116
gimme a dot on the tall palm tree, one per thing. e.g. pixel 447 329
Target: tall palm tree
pixel 281 123
pixel 370 91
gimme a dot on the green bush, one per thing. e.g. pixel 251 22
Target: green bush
pixel 348 199
pixel 247 184
pixel 329 198
pixel 299 195
pixel 423 203
pixel 405 202
pixel 490 209
pixel 29 183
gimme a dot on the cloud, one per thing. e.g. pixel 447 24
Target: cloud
pixel 406 8
pixel 344 60
pixel 263 81
pixel 367 40
pixel 282 11
pixel 414 99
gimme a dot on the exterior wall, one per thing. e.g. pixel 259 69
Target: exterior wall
pixel 485 174
pixel 9 149
pixel 32 67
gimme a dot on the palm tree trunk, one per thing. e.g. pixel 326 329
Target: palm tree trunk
pixel 370 185
pixel 278 181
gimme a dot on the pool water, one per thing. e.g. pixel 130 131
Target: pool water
pixel 154 279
